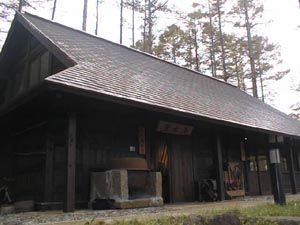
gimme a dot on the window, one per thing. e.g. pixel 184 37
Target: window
pixel 262 163
pixel 252 163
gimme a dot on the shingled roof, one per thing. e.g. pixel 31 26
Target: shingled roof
pixel 109 69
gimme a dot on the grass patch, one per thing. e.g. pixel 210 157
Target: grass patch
pixel 257 221
pixel 249 216
pixel 290 209
pixel 178 220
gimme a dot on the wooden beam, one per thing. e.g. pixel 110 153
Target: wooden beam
pixel 69 203
pixel 48 195
pixel 291 166
pixel 219 167
pixel 128 102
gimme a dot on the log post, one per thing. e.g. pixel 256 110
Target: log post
pixel 258 173
pixel 219 167
pixel 291 165
pixel 69 203
pixel 276 177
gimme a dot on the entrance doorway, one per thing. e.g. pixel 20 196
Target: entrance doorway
pixel 181 173
pixel 174 159
pixel 258 175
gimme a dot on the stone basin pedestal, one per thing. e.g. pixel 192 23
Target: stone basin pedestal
pixel 127 188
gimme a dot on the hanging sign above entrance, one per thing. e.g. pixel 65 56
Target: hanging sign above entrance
pixel 174 128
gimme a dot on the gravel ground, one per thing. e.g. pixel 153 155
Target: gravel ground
pixel 79 217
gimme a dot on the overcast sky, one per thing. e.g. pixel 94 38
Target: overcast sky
pixel 284 29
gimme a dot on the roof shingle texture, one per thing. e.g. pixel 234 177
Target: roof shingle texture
pixel 111 69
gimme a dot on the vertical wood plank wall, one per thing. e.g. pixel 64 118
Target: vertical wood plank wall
pixel 106 136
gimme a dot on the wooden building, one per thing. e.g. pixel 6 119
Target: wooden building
pixel 71 102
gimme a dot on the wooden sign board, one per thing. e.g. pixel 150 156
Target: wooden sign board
pixel 174 128
pixel 142 141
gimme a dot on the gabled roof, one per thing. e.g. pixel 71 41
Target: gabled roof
pixel 108 69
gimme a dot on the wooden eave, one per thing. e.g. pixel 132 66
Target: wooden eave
pixel 123 101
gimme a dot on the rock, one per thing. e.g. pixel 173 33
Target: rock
pixel 194 220
pixel 7 209
pixel 287 222
pixel 24 206
pixel 225 219
pixel 138 203
pixel 15 223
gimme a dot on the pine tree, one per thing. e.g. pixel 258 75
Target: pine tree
pixel 193 41
pixel 150 10
pixel 266 56
pixel 217 6
pixel 135 6
pixel 170 44
pixel 249 11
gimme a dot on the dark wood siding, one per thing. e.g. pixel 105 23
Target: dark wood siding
pixel 29 165
pixel 203 157
pixel 29 64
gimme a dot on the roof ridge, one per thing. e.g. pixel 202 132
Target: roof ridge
pixel 131 49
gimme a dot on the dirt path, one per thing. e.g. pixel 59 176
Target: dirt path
pixel 81 216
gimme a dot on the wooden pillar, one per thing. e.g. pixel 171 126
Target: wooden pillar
pixel 48 193
pixel 85 167
pixel 258 173
pixel 291 166
pixel 219 168
pixel 69 203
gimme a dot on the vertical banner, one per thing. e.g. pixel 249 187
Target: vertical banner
pixel 142 141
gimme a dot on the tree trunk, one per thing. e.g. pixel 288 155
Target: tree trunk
pixel 225 75
pixel 190 50
pixel 196 51
pixel 250 51
pixel 133 22
pixel 261 83
pixel 237 73
pixel 150 26
pixel 173 50
pixel 212 49
pixel 145 27
pixel 20 6
pixel 53 10
pixel 97 17
pixel 84 18
pixel 121 22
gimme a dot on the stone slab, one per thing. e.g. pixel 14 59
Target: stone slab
pixel 139 203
